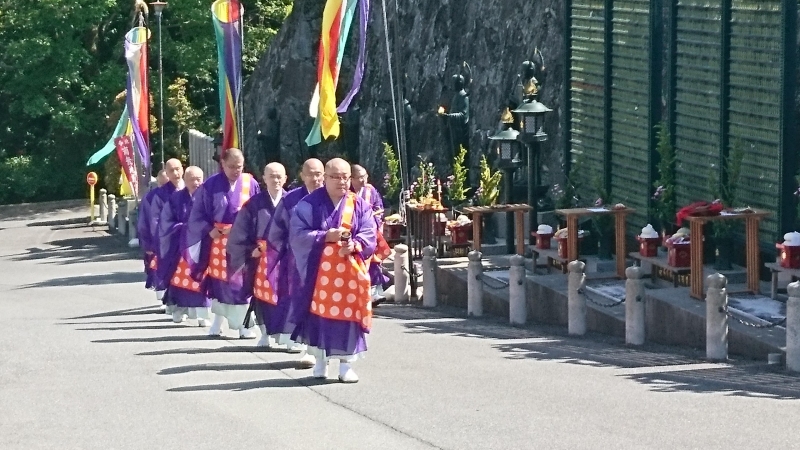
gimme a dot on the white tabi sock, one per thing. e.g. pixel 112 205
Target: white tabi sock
pixel 216 327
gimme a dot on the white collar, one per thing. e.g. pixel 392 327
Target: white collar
pixel 277 199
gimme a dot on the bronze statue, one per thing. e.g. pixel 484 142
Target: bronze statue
pixel 457 118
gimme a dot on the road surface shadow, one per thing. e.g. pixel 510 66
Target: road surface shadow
pixel 113 322
pixel 88 280
pixel 277 365
pixel 99 247
pixel 257 384
pixel 202 351
pixel 171 326
pixel 662 368
pixel 202 337
pixel 122 312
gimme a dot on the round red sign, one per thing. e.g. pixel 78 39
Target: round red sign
pixel 91 178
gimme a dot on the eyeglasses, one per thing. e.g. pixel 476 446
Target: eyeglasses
pixel 339 177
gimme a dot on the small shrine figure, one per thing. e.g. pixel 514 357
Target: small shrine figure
pixel 457 117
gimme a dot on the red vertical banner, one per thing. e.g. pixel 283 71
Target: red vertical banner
pixel 127 161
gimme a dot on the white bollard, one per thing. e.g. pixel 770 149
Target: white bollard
pixel 517 298
pixel 122 218
pixel 112 212
pixel 103 206
pixel 793 327
pixel 634 306
pixel 717 317
pixel 429 265
pixel 475 284
pixel 133 220
pixel 576 302
pixel 400 273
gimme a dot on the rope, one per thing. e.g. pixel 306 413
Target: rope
pixel 394 100
pixel 615 301
pixel 752 324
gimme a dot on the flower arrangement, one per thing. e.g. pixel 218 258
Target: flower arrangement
pixel 664 203
pixel 455 184
pixel 425 184
pixel 489 185
pixel 391 181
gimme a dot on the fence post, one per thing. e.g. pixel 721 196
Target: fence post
pixel 429 266
pixel 133 219
pixel 793 327
pixel 576 303
pixel 517 298
pixel 103 206
pixel 634 306
pixel 717 317
pixel 475 284
pixel 122 218
pixel 112 212
pixel 401 273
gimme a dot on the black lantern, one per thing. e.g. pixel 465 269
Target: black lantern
pixel 532 134
pixel 508 145
pixel 532 123
pixel 217 147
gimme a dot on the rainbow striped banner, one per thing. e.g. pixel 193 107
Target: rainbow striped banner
pixel 337 19
pixel 138 94
pixel 227 15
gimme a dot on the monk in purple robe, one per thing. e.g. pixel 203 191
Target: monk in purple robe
pixel 253 275
pixel 174 172
pixel 360 185
pixel 146 240
pixel 187 296
pixel 216 204
pixel 313 177
pixel 332 234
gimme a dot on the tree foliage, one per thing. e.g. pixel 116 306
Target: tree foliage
pixel 63 64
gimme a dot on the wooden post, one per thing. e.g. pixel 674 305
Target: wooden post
pixel 572 237
pixel 753 263
pixel 619 229
pixel 519 227
pixel 696 274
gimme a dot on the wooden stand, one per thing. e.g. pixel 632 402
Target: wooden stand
pixel 572 216
pixel 660 262
pixel 519 211
pixel 751 232
pixel 421 229
pixel 775 269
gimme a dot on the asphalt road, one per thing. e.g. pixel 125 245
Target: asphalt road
pixel 88 362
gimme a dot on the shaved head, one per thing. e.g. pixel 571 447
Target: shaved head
pixel 359 177
pixel 174 170
pixel 337 172
pixel 274 178
pixel 313 174
pixel 161 178
pixel 233 163
pixel 193 178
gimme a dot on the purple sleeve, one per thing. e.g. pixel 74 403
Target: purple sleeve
pixel 156 205
pixel 143 225
pixel 365 231
pixel 377 205
pixel 168 234
pixel 304 236
pixel 241 243
pixel 197 245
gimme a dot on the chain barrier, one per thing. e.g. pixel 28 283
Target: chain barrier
pixel 616 302
pixel 500 284
pixel 751 324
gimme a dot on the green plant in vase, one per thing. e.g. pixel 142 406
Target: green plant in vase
pixel 486 195
pixel 664 202
pixel 391 180
pixel 425 184
pixel 455 187
pixel 726 190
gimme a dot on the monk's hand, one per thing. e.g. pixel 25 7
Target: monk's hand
pixel 347 249
pixel 215 234
pixel 256 253
pixel 225 231
pixel 333 235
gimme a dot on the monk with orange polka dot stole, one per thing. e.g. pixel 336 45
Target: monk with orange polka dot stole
pixel 333 235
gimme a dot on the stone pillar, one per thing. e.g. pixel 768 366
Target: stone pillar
pixel 793 327
pixel 717 317
pixel 133 219
pixel 576 303
pixel 401 271
pixel 112 212
pixel 122 218
pixel 517 298
pixel 475 284
pixel 103 206
pixel 429 266
pixel 634 306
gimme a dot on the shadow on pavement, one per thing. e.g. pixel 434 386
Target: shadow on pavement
pixel 172 326
pixel 122 312
pixel 113 322
pixel 93 248
pixel 258 384
pixel 202 337
pixel 662 368
pixel 201 351
pixel 90 280
pixel 277 365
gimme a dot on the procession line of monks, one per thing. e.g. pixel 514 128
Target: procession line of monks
pixel 304 263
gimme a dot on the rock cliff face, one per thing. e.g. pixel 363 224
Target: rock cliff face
pixel 435 37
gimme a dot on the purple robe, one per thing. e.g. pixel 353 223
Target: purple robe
pixel 146 239
pixel 279 250
pixel 215 201
pixel 376 276
pixel 251 225
pixel 171 235
pixel 161 196
pixel 311 219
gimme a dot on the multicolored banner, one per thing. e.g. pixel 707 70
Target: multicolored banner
pixel 124 148
pixel 138 94
pixel 227 16
pixel 337 19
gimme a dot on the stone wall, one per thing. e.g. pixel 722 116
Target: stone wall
pixel 435 38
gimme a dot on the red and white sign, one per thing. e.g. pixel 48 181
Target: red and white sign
pixel 127 161
pixel 91 178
